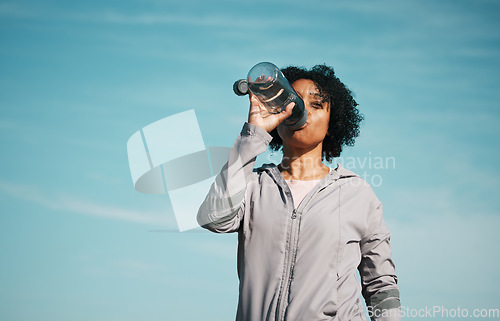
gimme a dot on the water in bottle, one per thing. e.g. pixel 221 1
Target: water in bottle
pixel 273 90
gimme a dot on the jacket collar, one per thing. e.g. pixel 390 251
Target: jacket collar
pixel 338 173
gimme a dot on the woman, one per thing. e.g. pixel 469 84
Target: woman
pixel 304 228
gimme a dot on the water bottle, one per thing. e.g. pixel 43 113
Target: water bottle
pixel 273 90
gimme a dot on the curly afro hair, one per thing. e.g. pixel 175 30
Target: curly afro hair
pixel 345 118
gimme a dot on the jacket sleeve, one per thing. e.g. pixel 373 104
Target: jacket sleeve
pixel 222 209
pixel 377 271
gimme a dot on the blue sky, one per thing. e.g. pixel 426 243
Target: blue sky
pixel 78 79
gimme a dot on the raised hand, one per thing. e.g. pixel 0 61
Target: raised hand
pixel 261 117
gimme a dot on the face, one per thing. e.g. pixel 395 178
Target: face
pixel 316 127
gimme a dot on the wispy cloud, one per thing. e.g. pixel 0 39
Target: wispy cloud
pixel 34 195
pixel 124 267
pixel 109 15
pixel 148 18
pixel 15 10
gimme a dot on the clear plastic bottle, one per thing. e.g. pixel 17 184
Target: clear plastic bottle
pixel 269 85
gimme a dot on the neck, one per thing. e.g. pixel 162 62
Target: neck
pixel 303 164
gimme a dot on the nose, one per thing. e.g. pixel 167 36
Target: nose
pixel 308 106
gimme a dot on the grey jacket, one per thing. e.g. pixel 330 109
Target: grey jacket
pixel 300 263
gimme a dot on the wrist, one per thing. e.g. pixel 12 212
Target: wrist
pixel 250 129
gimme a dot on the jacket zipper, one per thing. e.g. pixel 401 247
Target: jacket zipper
pixel 282 305
pixel 292 251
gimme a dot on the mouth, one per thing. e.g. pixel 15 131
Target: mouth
pixel 304 126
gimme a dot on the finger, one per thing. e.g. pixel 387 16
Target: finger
pixel 288 109
pixel 286 112
pixel 252 98
pixel 253 101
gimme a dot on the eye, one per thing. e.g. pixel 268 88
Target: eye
pixel 317 105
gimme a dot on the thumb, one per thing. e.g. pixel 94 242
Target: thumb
pixel 286 112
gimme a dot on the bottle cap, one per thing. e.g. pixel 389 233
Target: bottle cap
pixel 240 87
